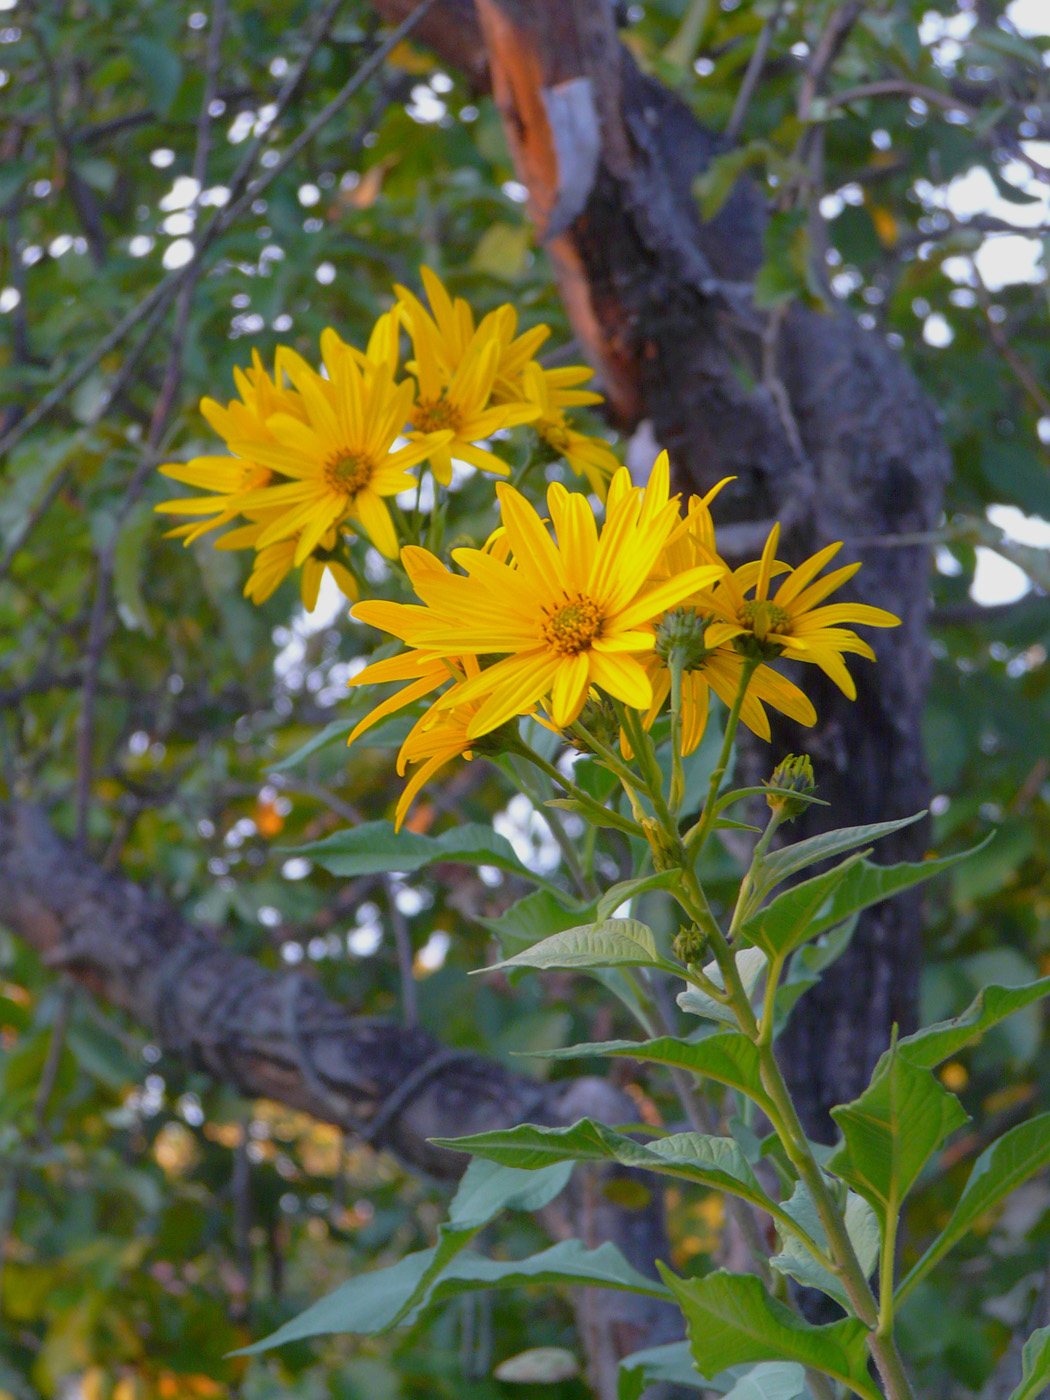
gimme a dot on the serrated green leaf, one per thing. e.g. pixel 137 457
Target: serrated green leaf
pixel 1035 1367
pixel 934 1044
pixel 891 1131
pixel 862 1227
pixel 1000 1169
pixel 731 1319
pixel 811 908
pixel 728 1058
pixel 375 847
pixel 789 860
pixel 611 943
pixel 371 1302
pixel 714 1162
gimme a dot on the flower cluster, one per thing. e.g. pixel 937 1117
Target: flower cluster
pixel 535 623
pixel 318 455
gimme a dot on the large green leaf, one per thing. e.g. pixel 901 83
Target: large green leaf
pixel 1035 1367
pixel 372 1302
pixel 728 1058
pixel 890 1132
pixel 714 1162
pixel 789 860
pixel 862 1226
pixel 771 1380
pixel 1000 1169
pixel 806 910
pixel 375 847
pixel 616 895
pixel 750 964
pixel 611 943
pixel 731 1319
pixel 673 1363
pixel 933 1044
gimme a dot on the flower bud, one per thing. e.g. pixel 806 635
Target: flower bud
pixel 664 858
pixel 690 945
pixel 680 634
pixel 600 719
pixel 792 774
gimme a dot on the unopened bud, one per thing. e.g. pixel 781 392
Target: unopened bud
pixel 681 634
pixel 600 719
pixel 690 945
pixel 664 857
pixel 793 774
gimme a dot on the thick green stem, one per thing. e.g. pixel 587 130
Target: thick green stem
pixel 677 794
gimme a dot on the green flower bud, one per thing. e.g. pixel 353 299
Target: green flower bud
pixel 664 858
pixel 793 774
pixel 680 634
pixel 600 719
pixel 690 945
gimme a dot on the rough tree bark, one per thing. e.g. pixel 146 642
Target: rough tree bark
pixel 278 1036
pixel 819 421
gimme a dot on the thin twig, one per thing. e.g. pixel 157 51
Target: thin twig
pixel 898 87
pixel 756 64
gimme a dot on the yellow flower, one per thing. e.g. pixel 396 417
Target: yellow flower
pixel 435 739
pixel 275 562
pixel 791 623
pixel 588 456
pixel 231 478
pixel 339 459
pixel 456 373
pixel 565 616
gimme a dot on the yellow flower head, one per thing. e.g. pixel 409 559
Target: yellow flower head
pixel 588 456
pixel 564 616
pixel 337 464
pixel 435 739
pixel 791 622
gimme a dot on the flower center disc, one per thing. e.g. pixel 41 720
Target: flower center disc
pixel 349 472
pixel 435 415
pixel 573 627
pixel 763 617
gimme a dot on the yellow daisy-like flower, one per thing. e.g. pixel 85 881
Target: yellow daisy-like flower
pixel 435 739
pixel 565 616
pixel 456 377
pixel 587 456
pixel 231 478
pixel 275 562
pixel 339 459
pixel 791 622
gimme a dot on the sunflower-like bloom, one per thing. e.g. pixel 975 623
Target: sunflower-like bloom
pixel 587 456
pixel 564 616
pixel 791 623
pixel 275 562
pixel 230 479
pixel 435 739
pixel 337 462
pixel 456 376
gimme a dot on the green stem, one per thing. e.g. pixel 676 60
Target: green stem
pixel 586 887
pixel 645 755
pixel 677 794
pixel 586 801
pixel 694 840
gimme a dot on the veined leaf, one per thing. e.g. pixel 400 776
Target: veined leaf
pixel 1000 1169
pixel 611 943
pixel 338 729
pixel 862 1227
pixel 728 1058
pixel 934 1044
pixel 804 911
pixel 370 1302
pixel 789 860
pixel 750 964
pixel 375 847
pixel 732 1319
pixel 891 1131
pixel 714 1162
pixel 672 1363
pixel 627 889
pixel 536 916
pixel 1035 1367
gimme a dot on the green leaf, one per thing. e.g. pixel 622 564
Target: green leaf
pixel 370 1302
pixel 1035 1367
pixel 611 943
pixel 732 1319
pixel 771 1380
pixel 714 1162
pixel 728 1058
pixel 750 964
pixel 862 1227
pixel 1000 1169
pixel 337 729
pixel 891 1131
pixel 488 1188
pixel 672 1363
pixel 375 847
pixel 788 860
pixel 536 916
pixel 127 568
pixel 934 1044
pixel 804 911
pixel 161 70
pixel 616 895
